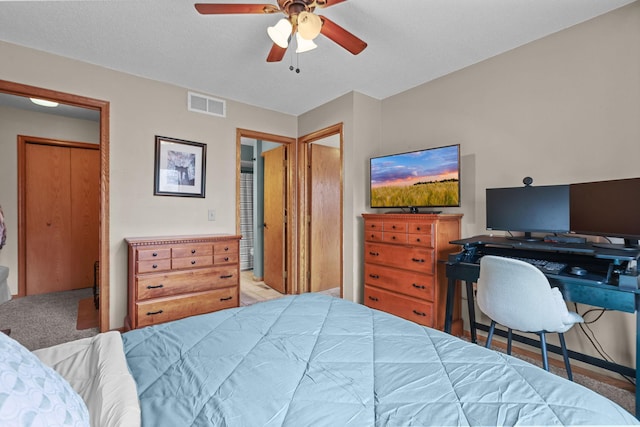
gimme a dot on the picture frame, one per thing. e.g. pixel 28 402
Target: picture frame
pixel 180 168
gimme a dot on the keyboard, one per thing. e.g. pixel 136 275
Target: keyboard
pixel 545 266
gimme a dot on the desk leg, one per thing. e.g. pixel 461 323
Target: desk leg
pixel 448 312
pixel 637 361
pixel 472 312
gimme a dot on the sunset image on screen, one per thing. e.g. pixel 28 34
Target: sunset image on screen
pixel 419 178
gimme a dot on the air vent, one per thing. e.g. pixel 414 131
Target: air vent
pixel 207 105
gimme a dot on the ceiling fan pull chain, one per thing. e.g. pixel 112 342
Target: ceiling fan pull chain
pixel 297 68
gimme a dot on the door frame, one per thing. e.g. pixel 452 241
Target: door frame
pixel 102 107
pixel 290 261
pixel 304 208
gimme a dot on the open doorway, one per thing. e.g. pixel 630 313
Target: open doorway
pixel 321 205
pixel 265 209
pixel 17 259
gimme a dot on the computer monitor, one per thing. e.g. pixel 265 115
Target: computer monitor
pixel 529 209
pixel 607 208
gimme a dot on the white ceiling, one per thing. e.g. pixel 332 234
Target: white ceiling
pixel 410 42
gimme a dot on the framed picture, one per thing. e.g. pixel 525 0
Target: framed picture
pixel 179 167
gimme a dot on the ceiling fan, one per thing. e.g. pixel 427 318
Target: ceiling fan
pixel 299 21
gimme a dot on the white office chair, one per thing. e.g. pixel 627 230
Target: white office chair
pixel 517 295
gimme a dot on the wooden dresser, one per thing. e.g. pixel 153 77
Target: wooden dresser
pixel 402 275
pixel 179 276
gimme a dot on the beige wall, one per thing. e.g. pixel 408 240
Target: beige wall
pixel 141 109
pixel 14 122
pixel 360 116
pixel 563 109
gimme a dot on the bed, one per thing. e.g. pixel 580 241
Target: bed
pixel 313 360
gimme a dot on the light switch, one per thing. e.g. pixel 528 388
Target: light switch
pixel 212 214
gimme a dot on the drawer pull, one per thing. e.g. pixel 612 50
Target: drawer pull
pixel 193 262
pixel 226 248
pixel 393 237
pixel 226 299
pixel 229 276
pixel 151 313
pixel 155 265
pixel 418 286
pixel 374 276
pixel 417 260
pixel 193 251
pixel 418 228
pixel 156 286
pixel 418 239
pixel 155 254
pixel 393 226
pixel 374 254
pixel 419 313
pixel 373 298
pixel 226 258
pixel 373 236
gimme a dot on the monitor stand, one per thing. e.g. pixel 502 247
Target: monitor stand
pixel 629 245
pixel 526 238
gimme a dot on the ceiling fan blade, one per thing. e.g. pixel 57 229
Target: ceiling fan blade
pixel 220 9
pixel 341 36
pixel 276 53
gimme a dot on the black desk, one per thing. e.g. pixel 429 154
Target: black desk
pixel 609 282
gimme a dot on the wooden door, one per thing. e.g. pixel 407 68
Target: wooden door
pixel 85 215
pixel 61 193
pixel 275 232
pixel 48 219
pixel 324 226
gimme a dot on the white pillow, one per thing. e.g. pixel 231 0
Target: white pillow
pixel 32 394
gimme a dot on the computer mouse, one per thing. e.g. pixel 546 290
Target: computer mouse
pixel 578 271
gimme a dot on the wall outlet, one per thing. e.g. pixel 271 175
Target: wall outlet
pixel 212 214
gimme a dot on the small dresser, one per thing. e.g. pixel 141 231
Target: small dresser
pixel 402 275
pixel 179 276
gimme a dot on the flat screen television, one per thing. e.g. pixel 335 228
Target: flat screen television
pixel 428 178
pixel 529 209
pixel 609 209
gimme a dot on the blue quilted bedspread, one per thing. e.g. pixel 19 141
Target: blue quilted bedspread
pixel 314 360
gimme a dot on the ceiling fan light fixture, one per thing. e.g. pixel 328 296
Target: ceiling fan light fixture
pixel 304 45
pixel 280 33
pixel 309 25
pixel 43 102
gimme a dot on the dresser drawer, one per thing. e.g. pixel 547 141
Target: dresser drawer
pixel 162 310
pixel 220 248
pixel 173 283
pixel 425 240
pixel 153 265
pixel 194 250
pixel 228 258
pixel 407 257
pixel 153 253
pixel 406 282
pixel 373 236
pixel 395 226
pixel 393 237
pixel 413 309
pixel 421 227
pixel 191 262
pixel 373 226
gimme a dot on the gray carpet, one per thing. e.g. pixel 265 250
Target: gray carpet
pixel 624 398
pixel 39 321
